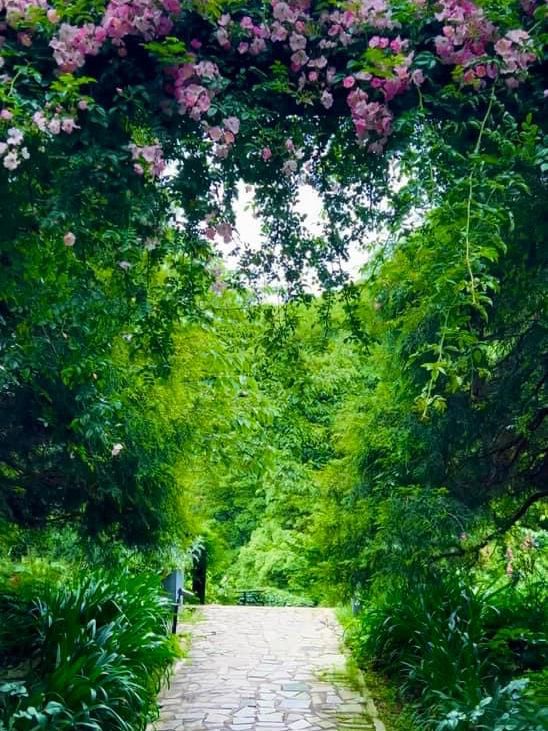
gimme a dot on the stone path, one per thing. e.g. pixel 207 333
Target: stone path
pixel 265 669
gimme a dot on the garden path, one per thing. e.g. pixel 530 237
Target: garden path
pixel 265 669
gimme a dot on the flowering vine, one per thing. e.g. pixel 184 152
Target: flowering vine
pixel 354 60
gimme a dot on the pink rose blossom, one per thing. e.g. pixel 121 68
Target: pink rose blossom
pixel 327 99
pixel 215 133
pixel 69 239
pixel 232 124
pixel 11 161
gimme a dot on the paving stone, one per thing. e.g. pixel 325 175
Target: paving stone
pixel 265 669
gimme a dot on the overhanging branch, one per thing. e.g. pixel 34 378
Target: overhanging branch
pixel 503 528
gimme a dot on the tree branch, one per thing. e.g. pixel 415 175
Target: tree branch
pixel 504 527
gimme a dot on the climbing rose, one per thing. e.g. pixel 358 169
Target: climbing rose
pixel 116 449
pixel 232 124
pixel 69 239
pixel 327 99
pixel 11 161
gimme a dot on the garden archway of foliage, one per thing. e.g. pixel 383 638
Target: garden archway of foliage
pixel 105 254
pixel 384 441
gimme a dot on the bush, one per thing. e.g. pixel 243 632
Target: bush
pixel 99 651
pixel 280 598
pixel 443 641
pixel 506 709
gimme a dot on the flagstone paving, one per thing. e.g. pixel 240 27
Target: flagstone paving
pixel 265 669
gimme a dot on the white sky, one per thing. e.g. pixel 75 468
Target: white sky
pixel 248 228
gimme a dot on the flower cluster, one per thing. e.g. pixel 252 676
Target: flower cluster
pixel 192 96
pixel 223 136
pixel 370 116
pixel 20 10
pixel 12 150
pixel 516 55
pixel 222 229
pixel 72 44
pixel 149 159
pixel 144 18
pixel 147 19
pixel 465 41
pixel 354 53
pixel 56 123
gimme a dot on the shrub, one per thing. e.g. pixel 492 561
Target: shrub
pixel 506 709
pixel 100 650
pixel 452 650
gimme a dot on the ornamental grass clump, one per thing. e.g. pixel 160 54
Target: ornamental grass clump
pixel 441 642
pixel 100 650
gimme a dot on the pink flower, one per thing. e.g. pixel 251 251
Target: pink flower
pixel 40 121
pixel 266 153
pixel 298 60
pixel 11 162
pixel 289 167
pixel 196 44
pixel 278 32
pixel 53 16
pixel 6 114
pixel 257 46
pixel 313 76
pixel 24 39
pixel 172 6
pixel 83 105
pixel 221 151
pixel 225 231
pixel 243 47
pixel 349 82
pixel 69 239
pixel 215 133
pixel 297 42
pixel 232 124
pixel 319 63
pixel 246 23
pixel 15 136
pixel 68 125
pixel 326 99
pixel 469 76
